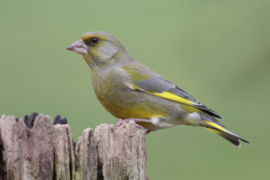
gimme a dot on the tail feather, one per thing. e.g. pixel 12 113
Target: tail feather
pixel 225 133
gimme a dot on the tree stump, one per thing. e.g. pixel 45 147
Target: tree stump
pixel 48 152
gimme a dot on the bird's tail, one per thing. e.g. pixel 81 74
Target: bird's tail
pixel 217 128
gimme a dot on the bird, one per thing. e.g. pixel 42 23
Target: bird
pixel 129 90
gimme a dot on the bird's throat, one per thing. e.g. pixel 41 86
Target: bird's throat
pixel 88 60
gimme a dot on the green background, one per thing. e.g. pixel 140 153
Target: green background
pixel 218 51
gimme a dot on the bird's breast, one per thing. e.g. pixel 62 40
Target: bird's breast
pixel 120 100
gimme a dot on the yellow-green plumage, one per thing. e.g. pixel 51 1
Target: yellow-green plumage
pixel 128 89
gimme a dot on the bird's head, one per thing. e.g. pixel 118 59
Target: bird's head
pixel 98 47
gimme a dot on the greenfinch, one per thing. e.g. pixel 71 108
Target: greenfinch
pixel 131 91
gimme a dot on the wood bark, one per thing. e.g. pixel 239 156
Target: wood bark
pixel 48 152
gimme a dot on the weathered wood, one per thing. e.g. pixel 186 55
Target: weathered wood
pixel 121 152
pixel 48 152
pixel 63 152
pixel 27 153
pixel 86 156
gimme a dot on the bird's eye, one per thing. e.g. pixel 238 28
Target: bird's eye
pixel 94 40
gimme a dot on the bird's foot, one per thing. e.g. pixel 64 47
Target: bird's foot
pixel 119 122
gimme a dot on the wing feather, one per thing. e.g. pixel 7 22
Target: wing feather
pixel 160 87
pixel 144 79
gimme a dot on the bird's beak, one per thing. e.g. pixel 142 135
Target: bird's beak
pixel 78 47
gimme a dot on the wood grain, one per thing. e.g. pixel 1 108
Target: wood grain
pixel 48 152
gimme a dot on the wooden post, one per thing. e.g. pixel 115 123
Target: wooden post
pixel 48 152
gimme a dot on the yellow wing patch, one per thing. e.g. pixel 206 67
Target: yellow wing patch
pixel 164 94
pixel 171 96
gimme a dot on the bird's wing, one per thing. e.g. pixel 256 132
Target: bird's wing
pixel 158 86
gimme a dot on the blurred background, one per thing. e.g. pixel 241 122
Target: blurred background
pixel 218 51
